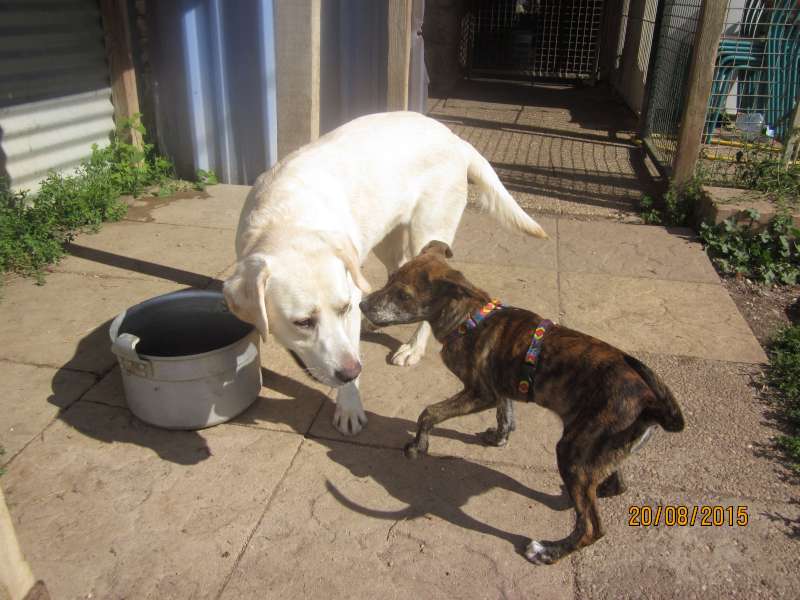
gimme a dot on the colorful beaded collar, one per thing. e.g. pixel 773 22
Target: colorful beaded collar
pixel 532 355
pixel 534 350
pixel 474 320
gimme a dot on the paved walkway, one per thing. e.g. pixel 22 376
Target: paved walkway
pixel 560 149
pixel 276 504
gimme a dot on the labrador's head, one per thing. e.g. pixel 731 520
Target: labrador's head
pixel 307 296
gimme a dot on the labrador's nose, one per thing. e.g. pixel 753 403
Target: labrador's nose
pixel 349 371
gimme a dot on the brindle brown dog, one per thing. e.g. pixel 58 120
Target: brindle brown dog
pixel 607 400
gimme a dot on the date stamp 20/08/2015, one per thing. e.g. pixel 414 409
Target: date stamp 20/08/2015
pixel 682 515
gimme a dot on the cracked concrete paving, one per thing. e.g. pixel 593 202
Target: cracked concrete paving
pixel 277 504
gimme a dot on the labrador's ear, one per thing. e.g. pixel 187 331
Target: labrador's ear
pixel 245 291
pixel 437 247
pixel 344 249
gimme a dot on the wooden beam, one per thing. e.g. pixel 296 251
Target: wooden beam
pixel 792 142
pixel 297 55
pixel 16 577
pixel 399 55
pixel 701 73
pixel 124 94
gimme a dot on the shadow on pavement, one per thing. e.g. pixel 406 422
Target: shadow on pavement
pixel 438 486
pixel 181 447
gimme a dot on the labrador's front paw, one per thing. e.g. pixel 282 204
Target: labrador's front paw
pixel 349 417
pixel 407 355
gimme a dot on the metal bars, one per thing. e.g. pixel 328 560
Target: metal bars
pixel 755 87
pixel 534 38
pixel 670 69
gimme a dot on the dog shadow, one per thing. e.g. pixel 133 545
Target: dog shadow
pixel 435 486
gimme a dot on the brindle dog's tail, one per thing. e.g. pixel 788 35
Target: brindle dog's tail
pixel 666 411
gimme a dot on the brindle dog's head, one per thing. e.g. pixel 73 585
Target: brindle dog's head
pixel 415 292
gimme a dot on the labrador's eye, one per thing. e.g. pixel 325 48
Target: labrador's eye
pixel 305 323
pixel 344 310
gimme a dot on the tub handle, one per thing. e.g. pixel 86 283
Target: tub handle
pixel 124 346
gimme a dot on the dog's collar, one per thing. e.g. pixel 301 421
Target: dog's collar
pixel 532 356
pixel 474 320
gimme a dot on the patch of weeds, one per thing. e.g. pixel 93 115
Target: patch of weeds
pixel 676 206
pixel 2 469
pixel 205 178
pixel 783 376
pixel 769 255
pixel 34 228
pixel 764 171
pixel 649 213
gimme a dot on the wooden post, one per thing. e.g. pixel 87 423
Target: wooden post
pixel 297 55
pixel 399 56
pixel 701 73
pixel 792 143
pixel 16 577
pixel 124 95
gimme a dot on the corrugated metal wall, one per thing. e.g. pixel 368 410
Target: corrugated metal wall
pixel 55 100
pixel 213 82
pixel 354 47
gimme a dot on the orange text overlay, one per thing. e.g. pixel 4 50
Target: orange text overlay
pixel 681 515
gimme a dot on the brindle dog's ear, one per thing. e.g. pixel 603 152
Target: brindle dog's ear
pixel 452 282
pixel 437 247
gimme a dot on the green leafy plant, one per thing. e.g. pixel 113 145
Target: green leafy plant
pixel 205 178
pixel 759 167
pixel 2 452
pixel 783 376
pixel 676 206
pixel 767 254
pixel 34 228
pixel 650 214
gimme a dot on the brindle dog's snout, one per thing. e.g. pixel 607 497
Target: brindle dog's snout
pixel 364 306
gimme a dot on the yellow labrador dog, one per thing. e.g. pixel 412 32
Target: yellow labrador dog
pixel 388 182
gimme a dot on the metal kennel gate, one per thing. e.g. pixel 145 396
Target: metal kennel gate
pixel 532 38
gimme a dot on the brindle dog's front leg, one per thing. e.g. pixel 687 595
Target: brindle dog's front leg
pixel 505 424
pixel 463 403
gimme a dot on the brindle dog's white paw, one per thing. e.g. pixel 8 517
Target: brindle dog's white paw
pixel 539 554
pixel 407 355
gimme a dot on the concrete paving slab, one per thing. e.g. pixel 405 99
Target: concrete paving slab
pixel 632 250
pixel 218 207
pixel 188 255
pixel 728 446
pixel 666 317
pixel 758 560
pixel 31 397
pixel 64 323
pixel 355 522
pixel 481 239
pixel 107 507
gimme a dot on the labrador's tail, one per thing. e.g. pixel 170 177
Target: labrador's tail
pixel 495 198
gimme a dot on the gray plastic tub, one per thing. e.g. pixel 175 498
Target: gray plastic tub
pixel 186 361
